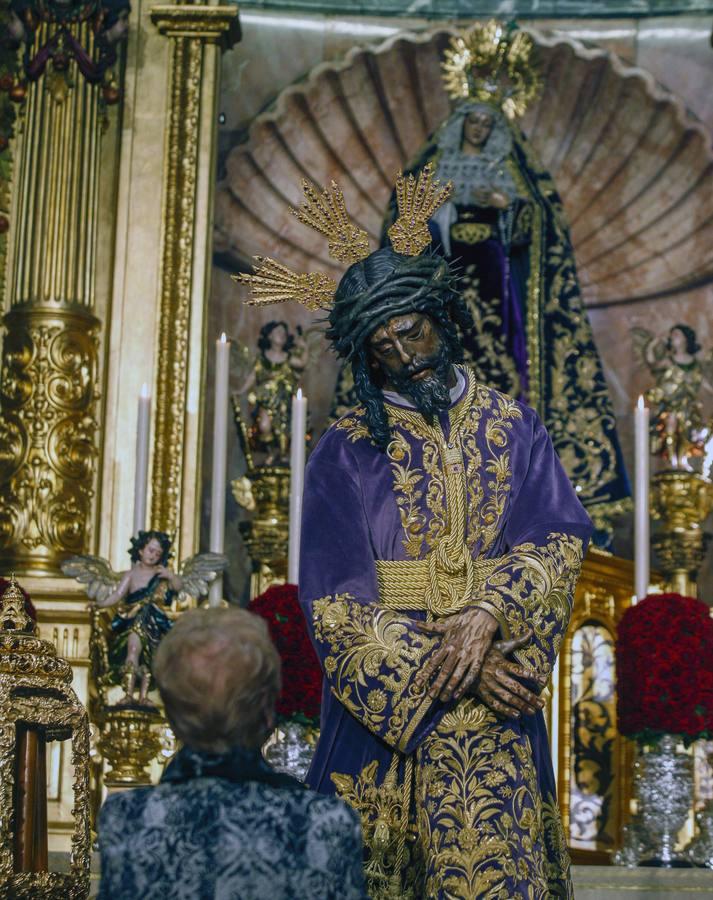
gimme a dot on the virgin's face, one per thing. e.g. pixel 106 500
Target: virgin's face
pixel 151 553
pixel 278 337
pixel 477 127
pixel 677 340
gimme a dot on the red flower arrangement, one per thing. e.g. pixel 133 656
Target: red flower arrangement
pixel 301 693
pixel 664 664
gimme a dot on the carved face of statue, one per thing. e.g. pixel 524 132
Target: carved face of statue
pixel 278 337
pixel 682 344
pixel 477 127
pixel 677 340
pixel 413 360
pixel 150 554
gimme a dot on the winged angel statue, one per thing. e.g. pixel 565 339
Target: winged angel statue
pixel 680 432
pixel 149 597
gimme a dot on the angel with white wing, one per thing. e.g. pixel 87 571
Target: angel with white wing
pixel 146 593
pixel 681 373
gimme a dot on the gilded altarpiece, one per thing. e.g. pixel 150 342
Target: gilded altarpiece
pixel 50 363
pixel 593 761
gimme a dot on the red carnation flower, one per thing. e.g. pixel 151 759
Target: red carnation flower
pixel 301 693
pixel 664 662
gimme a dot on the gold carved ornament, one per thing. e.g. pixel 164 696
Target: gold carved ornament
pixel 417 197
pixel 193 30
pixel 48 426
pixel 35 689
pixel 494 64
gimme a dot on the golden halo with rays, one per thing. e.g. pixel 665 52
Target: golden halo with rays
pixel 495 64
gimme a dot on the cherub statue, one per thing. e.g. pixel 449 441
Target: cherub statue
pixel 679 430
pixel 274 376
pixel 149 594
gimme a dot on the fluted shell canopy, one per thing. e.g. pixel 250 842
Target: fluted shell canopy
pixel 633 168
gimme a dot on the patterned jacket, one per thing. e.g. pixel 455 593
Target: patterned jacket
pixel 228 828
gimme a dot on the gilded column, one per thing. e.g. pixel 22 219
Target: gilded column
pixel 49 377
pixel 197 34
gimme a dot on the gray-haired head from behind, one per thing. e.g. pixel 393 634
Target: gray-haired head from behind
pixel 218 674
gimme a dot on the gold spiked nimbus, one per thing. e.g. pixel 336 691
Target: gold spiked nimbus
pixel 417 198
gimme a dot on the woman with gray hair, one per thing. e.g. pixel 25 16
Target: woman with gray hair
pixel 222 823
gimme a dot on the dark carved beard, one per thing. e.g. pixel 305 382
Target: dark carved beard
pixel 432 394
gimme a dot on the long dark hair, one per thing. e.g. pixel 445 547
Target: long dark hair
pixel 263 340
pixel 692 345
pixel 384 285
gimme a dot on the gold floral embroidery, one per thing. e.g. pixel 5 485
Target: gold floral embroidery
pixel 480 815
pixel 558 869
pixel 563 366
pixel 392 867
pixel 354 425
pixel 534 590
pixel 407 478
pixel 485 517
pixel 368 645
pixel 488 351
pixel 424 495
pixel 471 824
pixel 468 715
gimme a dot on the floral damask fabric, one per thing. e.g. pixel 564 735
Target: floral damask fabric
pixel 228 828
pixel 474 509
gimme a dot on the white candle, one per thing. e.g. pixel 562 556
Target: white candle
pixel 641 499
pixel 297 474
pixel 220 460
pixel 141 481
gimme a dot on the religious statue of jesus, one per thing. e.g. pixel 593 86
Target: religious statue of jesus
pixel 441 544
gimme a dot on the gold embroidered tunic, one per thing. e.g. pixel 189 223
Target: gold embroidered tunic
pixel 473 510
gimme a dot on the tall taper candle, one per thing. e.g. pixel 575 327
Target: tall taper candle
pixel 297 475
pixel 220 460
pixel 641 500
pixel 141 481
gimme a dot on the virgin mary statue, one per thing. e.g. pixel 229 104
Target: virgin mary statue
pixel 505 230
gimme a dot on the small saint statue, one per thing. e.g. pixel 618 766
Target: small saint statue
pixel 148 595
pixel 273 378
pixel 681 371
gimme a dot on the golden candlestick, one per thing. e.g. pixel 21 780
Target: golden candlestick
pixel 681 501
pixel 266 490
pixel 130 741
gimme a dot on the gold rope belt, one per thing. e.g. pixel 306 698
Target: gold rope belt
pixel 406 584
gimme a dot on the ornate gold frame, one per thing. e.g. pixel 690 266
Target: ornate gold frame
pixel 604 592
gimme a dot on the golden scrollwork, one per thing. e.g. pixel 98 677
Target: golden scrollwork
pixel 48 435
pixel 35 689
pixel 190 28
pixel 130 740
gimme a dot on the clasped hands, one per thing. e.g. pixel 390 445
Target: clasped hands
pixel 471 662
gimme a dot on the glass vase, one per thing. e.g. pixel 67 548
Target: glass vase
pixel 664 791
pixel 290 748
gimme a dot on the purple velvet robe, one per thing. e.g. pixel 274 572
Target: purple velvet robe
pixel 454 801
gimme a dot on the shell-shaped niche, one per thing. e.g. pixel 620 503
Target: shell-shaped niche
pixel 633 168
